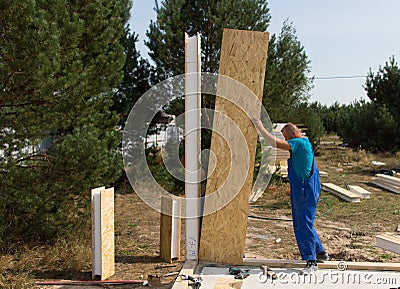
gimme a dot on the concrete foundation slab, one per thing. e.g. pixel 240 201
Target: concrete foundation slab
pixel 219 277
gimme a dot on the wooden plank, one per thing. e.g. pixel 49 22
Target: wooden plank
pixel 394 181
pixel 393 237
pixel 170 233
pixel 107 233
pixel 243 58
pixel 386 186
pixel 391 179
pixel 323 174
pixel 340 192
pixel 375 266
pixel 103 250
pixel 388 241
pixel 363 193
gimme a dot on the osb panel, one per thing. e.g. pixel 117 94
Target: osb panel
pixel 243 58
pixel 107 233
pixel 94 191
pixel 166 231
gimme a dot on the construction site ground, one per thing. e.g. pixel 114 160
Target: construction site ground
pixel 347 230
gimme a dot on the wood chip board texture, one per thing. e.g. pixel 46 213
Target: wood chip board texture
pixel 170 226
pixel 223 233
pixel 103 233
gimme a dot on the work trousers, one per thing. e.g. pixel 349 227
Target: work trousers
pixel 304 194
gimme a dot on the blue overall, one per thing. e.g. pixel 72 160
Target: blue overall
pixel 304 194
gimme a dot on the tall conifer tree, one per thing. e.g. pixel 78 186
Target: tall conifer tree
pixel 138 77
pixel 59 63
pixel 208 18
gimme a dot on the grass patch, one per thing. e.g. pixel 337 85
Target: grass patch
pixel 62 259
pixel 386 256
pixel 129 253
pixel 143 246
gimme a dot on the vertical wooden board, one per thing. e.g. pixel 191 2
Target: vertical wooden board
pixel 170 229
pixel 107 233
pixel 165 230
pixel 243 58
pixel 96 254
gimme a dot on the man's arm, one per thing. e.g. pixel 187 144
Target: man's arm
pixel 273 141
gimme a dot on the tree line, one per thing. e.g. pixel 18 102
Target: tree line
pixel 371 124
pixel 70 74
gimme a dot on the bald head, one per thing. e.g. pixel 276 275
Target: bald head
pixel 290 131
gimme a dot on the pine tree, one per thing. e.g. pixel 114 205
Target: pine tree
pixel 383 88
pixel 208 18
pixel 59 63
pixel 138 77
pixel 375 125
pixel 286 80
pixel 369 126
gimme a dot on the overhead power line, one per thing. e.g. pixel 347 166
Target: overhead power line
pixel 340 77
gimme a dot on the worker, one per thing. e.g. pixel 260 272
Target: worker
pixel 305 187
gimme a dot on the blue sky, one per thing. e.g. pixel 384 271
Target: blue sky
pixel 340 37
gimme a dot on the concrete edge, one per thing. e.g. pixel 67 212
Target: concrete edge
pixel 341 265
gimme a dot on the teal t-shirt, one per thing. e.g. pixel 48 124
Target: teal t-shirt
pixel 302 156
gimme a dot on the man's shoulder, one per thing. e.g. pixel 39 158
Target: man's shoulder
pixel 298 142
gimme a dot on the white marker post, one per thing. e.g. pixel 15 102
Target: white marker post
pixel 192 143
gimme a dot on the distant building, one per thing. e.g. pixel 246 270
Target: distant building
pixel 167 131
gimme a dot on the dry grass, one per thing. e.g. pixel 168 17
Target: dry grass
pixel 331 153
pixel 66 258
pixel 68 255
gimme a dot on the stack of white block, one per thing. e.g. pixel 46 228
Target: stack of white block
pixel 354 194
pixel 387 182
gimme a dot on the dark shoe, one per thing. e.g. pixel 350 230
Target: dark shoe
pixel 311 267
pixel 323 256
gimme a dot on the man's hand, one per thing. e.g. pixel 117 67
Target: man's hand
pixel 272 140
pixel 257 123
